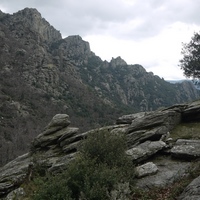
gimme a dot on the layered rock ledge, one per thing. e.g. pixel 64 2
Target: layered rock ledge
pixel 148 136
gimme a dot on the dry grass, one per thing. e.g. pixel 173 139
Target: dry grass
pixel 186 131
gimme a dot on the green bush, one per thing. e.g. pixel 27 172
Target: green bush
pixel 94 173
pixel 105 147
pixel 52 188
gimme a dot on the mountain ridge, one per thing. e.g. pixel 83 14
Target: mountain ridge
pixel 43 74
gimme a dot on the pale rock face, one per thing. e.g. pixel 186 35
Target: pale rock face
pixel 59 120
pixel 145 150
pixel 146 169
pixel 186 149
pixel 33 17
pixel 117 62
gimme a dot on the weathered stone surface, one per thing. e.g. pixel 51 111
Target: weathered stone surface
pixel 13 174
pixel 61 120
pixel 46 151
pixel 168 172
pixel 38 24
pixel 152 126
pixel 72 139
pixel 127 119
pixel 58 144
pixel 168 118
pixel 17 194
pixel 145 150
pixel 186 149
pixel 146 169
pixel 46 140
pixel 192 191
pixel 71 131
pixel 153 134
pixel 191 112
pixel 60 163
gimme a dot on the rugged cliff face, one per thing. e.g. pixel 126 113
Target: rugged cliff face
pixel 43 74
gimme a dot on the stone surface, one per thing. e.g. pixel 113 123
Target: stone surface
pixel 186 149
pixel 152 126
pixel 17 194
pixel 146 169
pixel 58 144
pixel 13 174
pixel 192 191
pixel 60 120
pixel 192 112
pixel 168 118
pixel 168 172
pixel 145 150
pixel 127 119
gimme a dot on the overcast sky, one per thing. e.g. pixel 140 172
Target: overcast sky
pixel 146 32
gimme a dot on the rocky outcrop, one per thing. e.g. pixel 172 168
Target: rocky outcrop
pixel 145 150
pixel 13 174
pixel 186 149
pixel 152 153
pixel 43 74
pixel 30 17
pixel 168 172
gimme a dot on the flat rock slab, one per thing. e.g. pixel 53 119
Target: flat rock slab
pixel 145 150
pixel 186 149
pixel 146 169
pixel 168 172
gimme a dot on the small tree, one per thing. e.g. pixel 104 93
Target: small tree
pixel 190 63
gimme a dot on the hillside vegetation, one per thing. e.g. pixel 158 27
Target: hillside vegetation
pixel 43 74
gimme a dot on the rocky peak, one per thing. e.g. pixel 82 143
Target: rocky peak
pixel 31 18
pixel 117 62
pixel 74 48
pixel 76 44
pixel 2 14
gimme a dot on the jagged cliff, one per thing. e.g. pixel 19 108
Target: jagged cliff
pixel 43 74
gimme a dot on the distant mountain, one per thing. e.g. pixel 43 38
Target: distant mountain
pixel 195 83
pixel 43 74
pixel 176 81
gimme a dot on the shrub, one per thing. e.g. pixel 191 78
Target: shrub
pixel 53 188
pixel 94 173
pixel 105 147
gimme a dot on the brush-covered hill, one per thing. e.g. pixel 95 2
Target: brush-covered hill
pixel 43 74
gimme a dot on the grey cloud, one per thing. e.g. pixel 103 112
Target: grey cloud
pixel 108 17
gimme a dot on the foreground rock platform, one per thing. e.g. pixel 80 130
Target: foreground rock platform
pixel 160 161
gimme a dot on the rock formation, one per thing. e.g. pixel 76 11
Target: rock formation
pixel 43 74
pixel 58 144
